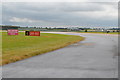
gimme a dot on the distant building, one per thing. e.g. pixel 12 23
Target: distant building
pixel 6 27
pixel 74 29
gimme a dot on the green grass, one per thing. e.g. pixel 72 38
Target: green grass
pixel 102 32
pixel 19 47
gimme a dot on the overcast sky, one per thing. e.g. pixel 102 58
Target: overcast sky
pixel 87 14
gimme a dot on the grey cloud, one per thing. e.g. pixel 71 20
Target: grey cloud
pixel 57 13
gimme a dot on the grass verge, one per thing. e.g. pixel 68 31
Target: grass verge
pixel 102 32
pixel 18 47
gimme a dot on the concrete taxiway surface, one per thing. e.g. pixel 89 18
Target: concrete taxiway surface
pixel 95 57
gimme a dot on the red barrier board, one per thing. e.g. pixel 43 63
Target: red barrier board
pixel 12 32
pixel 34 33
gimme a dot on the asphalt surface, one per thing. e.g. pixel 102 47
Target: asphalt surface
pixel 95 57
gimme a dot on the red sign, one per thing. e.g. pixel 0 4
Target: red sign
pixel 12 32
pixel 34 33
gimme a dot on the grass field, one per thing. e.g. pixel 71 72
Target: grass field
pixel 19 47
pixel 102 32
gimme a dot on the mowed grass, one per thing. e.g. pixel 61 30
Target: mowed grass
pixel 18 47
pixel 102 32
